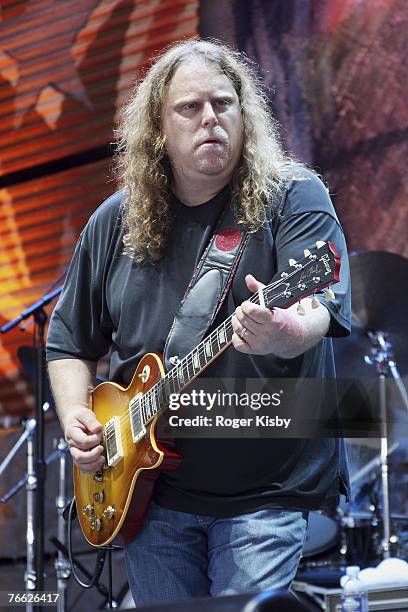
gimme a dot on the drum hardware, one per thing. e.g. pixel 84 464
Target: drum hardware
pixel 322 540
pixel 371 465
pixel 62 566
pixel 40 317
pixel 381 357
pixel 30 482
pixel 361 539
pixel 378 305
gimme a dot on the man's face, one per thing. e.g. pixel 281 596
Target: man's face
pixel 202 122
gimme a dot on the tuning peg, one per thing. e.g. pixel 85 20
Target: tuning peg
pixel 329 295
pixel 292 262
pixel 315 302
pixel 320 244
pixel 307 253
pixel 300 309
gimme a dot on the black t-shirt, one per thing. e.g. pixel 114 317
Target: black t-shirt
pixel 109 302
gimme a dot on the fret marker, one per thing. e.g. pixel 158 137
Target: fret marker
pixel 208 348
pixel 221 335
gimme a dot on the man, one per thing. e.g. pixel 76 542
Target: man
pixel 196 137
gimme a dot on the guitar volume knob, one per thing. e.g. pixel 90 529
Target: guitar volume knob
pixel 96 524
pixel 109 512
pixel 88 510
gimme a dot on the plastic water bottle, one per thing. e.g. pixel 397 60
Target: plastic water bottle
pixel 354 594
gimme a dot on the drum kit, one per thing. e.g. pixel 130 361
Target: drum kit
pixel 370 364
pixel 375 525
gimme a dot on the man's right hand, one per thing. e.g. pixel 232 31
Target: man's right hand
pixel 83 434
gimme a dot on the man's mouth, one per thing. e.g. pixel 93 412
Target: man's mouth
pixel 209 141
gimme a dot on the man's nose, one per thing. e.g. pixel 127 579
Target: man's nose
pixel 209 117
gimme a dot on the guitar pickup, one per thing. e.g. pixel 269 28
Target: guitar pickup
pixel 113 441
pixel 137 424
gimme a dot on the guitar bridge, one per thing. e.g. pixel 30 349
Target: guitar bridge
pixel 113 441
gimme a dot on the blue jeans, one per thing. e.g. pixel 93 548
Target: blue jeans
pixel 178 555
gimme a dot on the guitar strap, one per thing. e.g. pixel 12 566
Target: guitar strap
pixel 207 289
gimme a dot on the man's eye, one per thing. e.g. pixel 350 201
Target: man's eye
pixel 222 103
pixel 190 106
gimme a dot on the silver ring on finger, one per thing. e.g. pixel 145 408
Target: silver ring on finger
pixel 243 332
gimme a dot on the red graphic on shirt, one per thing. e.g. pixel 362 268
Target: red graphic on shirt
pixel 228 239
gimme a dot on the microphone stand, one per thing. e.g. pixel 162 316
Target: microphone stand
pixel 40 318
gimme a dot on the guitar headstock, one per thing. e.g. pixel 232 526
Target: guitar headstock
pixel 318 269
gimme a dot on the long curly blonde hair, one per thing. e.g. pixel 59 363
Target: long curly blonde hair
pixel 143 166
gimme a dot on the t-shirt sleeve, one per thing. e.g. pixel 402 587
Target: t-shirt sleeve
pixel 81 326
pixel 76 328
pixel 308 216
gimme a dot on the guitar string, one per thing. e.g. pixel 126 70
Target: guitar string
pixel 187 361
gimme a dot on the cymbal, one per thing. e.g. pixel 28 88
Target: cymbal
pixel 379 303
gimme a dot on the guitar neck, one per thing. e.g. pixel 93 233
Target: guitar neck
pixel 296 282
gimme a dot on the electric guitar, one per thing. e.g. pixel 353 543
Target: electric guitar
pixel 113 501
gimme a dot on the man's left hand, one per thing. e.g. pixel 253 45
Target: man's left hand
pixel 283 332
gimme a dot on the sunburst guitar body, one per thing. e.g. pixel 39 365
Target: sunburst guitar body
pixel 123 488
